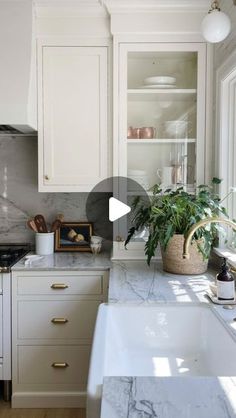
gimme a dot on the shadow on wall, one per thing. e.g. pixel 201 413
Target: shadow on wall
pixel 19 196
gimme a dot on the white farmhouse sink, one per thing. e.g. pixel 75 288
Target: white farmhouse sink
pixel 158 340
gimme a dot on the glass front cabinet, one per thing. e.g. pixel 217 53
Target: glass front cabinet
pixel 160 127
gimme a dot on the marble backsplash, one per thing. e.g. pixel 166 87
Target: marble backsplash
pixel 19 196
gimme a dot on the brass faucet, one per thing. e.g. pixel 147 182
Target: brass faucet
pixel 199 224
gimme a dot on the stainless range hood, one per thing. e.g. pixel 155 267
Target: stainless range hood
pixel 17 68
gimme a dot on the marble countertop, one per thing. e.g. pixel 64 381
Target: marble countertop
pixel 66 261
pixel 166 397
pixel 137 282
pixel 169 397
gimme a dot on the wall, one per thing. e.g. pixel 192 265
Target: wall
pixel 225 48
pixel 19 198
pixel 225 105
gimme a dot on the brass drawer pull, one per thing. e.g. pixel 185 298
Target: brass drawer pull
pixel 59 286
pixel 60 365
pixel 59 320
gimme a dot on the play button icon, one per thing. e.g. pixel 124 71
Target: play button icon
pixel 110 200
pixel 117 209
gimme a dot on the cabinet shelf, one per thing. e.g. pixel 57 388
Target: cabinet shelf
pixel 190 188
pixel 161 141
pixel 162 94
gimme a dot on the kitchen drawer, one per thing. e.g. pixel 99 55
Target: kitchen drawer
pixel 1 325
pixel 61 283
pixel 35 364
pixel 34 319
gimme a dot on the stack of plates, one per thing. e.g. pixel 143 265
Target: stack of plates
pixel 140 176
pixel 159 82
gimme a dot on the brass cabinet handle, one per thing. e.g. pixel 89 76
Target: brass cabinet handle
pixel 57 365
pixel 59 320
pixel 46 177
pixel 59 286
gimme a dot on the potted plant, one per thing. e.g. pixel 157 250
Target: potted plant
pixel 168 216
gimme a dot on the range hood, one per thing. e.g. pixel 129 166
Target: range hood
pixel 18 68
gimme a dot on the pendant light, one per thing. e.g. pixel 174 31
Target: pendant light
pixel 216 24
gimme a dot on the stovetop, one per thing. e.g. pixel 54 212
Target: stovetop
pixel 10 254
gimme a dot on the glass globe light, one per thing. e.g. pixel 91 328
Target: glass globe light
pixel 216 26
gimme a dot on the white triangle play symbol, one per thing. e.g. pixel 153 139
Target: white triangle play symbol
pixel 117 209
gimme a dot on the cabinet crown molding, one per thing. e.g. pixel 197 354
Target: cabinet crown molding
pixel 138 6
pixel 69 8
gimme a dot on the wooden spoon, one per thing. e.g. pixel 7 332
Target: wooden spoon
pixel 61 217
pixel 55 225
pixel 40 223
pixel 31 225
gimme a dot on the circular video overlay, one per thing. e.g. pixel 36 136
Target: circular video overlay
pixel 109 206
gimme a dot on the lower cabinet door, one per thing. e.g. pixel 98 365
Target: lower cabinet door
pixel 53 364
pixel 56 319
pixel 1 326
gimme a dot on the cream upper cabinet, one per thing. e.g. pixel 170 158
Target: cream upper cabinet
pixel 72 91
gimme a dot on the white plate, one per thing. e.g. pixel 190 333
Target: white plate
pixel 159 86
pixel 214 299
pixel 160 80
pixel 132 172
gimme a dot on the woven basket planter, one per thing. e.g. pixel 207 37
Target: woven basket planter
pixel 173 261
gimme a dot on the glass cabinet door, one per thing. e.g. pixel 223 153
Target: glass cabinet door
pixel 160 121
pixel 162 110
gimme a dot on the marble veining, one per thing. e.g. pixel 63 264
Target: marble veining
pixel 169 397
pixel 67 261
pixel 19 196
pixel 136 281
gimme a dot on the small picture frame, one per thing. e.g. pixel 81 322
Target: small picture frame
pixel 73 236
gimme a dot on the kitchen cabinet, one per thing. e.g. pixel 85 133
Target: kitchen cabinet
pixel 5 331
pixel 53 317
pixel 72 116
pixel 159 119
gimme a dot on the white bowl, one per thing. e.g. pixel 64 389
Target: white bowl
pixel 160 80
pixel 96 248
pixel 176 128
pixel 95 239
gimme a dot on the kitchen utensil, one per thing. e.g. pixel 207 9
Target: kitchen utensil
pixel 160 80
pixel 96 239
pixel 44 243
pixel 61 217
pixel 40 223
pixel 147 132
pixel 31 225
pixel 55 225
pixel 165 176
pixel 136 133
pixel 177 174
pixel 130 132
pixel 95 248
